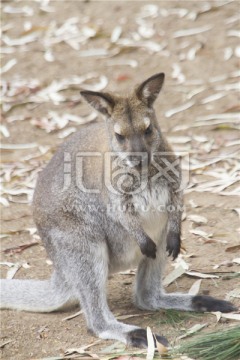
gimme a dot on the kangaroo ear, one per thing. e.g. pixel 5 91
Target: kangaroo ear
pixel 102 102
pixel 150 88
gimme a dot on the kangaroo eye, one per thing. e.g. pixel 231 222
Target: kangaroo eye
pixel 120 138
pixel 148 131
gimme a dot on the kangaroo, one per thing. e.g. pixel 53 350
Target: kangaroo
pixel 109 200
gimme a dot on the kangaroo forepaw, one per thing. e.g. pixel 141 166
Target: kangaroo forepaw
pixel 149 249
pixel 138 338
pixel 208 303
pixel 173 244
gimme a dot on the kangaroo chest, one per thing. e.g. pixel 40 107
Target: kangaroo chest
pixel 152 208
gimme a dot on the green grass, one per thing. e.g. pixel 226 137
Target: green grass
pixel 219 345
pixel 175 317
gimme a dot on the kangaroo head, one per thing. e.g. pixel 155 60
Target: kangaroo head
pixel 131 119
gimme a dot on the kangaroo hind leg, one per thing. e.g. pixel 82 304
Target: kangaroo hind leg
pixel 150 294
pixel 35 295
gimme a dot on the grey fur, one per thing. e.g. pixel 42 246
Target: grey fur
pixel 91 235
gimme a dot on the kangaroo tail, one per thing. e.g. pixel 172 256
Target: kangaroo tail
pixel 34 295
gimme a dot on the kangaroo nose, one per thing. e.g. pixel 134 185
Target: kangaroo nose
pixel 139 160
pixel 135 160
pixel 138 145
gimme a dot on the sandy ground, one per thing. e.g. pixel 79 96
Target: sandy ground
pixel 36 336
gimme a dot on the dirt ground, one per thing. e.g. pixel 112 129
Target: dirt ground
pixel 215 55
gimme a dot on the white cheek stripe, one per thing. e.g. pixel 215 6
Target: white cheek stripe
pixel 117 129
pixel 146 121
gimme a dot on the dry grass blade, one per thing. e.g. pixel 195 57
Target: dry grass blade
pixel 201 275
pixel 195 328
pixel 181 108
pixel 4 130
pixel 5 343
pixel 18 146
pixel 176 273
pixel 213 97
pixel 227 116
pixel 8 66
pixel 73 316
pixel 194 290
pixel 201 233
pixel 13 270
pixel 84 354
pixel 151 346
pixel 197 219
pixel 25 10
pixel 116 33
pixel 190 32
pixel 125 317
pixel 20 248
pixel 230 316
pixel 4 201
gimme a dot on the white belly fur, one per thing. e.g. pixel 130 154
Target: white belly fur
pixel 154 217
pixel 153 222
